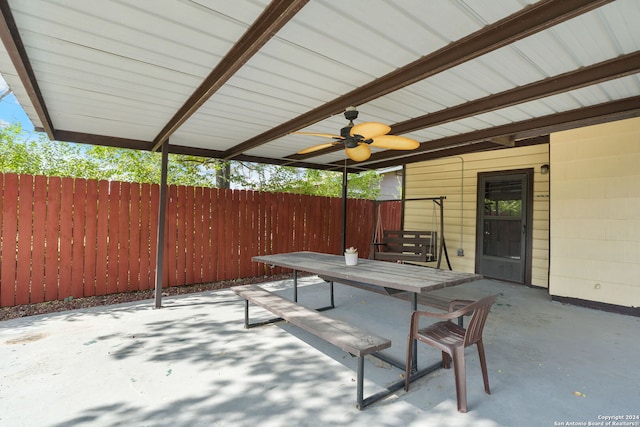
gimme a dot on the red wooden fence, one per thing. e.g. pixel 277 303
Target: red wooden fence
pixel 62 237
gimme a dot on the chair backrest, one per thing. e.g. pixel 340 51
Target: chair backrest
pixel 478 318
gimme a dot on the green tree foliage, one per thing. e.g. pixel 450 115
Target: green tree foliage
pixel 34 154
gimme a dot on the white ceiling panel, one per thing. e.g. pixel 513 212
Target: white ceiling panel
pixel 224 76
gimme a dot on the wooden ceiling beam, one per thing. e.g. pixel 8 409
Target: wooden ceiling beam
pixel 530 20
pixel 272 19
pixel 12 41
pixel 586 116
pixel 93 139
pixel 607 70
pixel 621 66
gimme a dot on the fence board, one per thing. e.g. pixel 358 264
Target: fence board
pixel 258 206
pixel 240 217
pixel 9 240
pixel 169 241
pixel 189 234
pixel 232 247
pixel 25 231
pixel 39 242
pixel 114 226
pixel 153 233
pixel 77 242
pixel 182 214
pixel 198 274
pixel 225 247
pixel 66 238
pixel 320 223
pixel 52 265
pixel 297 218
pixel 102 238
pixel 91 230
pixel 208 257
pixel 245 235
pixel 134 237
pixel 213 257
pixel 283 238
pixel 123 236
pixel 252 234
pixel 146 269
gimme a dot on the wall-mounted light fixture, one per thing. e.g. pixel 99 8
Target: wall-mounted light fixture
pixel 544 169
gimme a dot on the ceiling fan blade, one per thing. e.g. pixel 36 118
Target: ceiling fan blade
pixel 360 153
pixel 393 142
pixel 323 135
pixel 370 129
pixel 317 147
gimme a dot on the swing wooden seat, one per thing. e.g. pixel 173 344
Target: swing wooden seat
pixel 401 245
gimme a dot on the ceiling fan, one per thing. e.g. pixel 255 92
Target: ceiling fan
pixel 357 138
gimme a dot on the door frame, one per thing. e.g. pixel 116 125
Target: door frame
pixel 528 217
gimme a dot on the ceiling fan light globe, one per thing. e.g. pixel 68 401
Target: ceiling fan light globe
pixel 351 113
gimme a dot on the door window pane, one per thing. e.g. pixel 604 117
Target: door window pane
pixel 503 198
pixel 502 218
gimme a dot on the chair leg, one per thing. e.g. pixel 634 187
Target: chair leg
pixel 408 367
pixel 446 360
pixel 483 366
pixel 459 369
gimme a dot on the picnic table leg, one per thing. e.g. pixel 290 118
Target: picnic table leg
pixel 360 383
pixel 295 285
pixel 333 304
pixel 414 350
pixel 246 314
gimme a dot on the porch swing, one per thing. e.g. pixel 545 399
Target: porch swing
pixel 412 246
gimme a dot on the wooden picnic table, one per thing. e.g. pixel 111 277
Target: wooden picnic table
pixel 400 277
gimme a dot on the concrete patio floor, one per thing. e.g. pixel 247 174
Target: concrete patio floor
pixel 192 364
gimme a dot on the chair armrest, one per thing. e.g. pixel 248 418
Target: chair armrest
pixel 416 315
pixel 466 308
pixel 445 316
pixel 459 303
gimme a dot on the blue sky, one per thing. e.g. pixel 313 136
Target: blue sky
pixel 11 111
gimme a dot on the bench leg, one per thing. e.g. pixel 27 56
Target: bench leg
pixel 332 303
pixel 248 325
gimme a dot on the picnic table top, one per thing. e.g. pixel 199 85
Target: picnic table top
pixel 405 277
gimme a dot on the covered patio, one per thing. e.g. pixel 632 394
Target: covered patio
pixel 192 363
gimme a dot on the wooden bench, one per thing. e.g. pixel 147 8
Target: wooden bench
pixel 351 339
pixel 413 246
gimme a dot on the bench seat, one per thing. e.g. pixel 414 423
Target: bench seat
pixel 349 338
pixel 344 336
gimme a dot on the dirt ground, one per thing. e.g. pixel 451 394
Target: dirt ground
pixel 25 310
